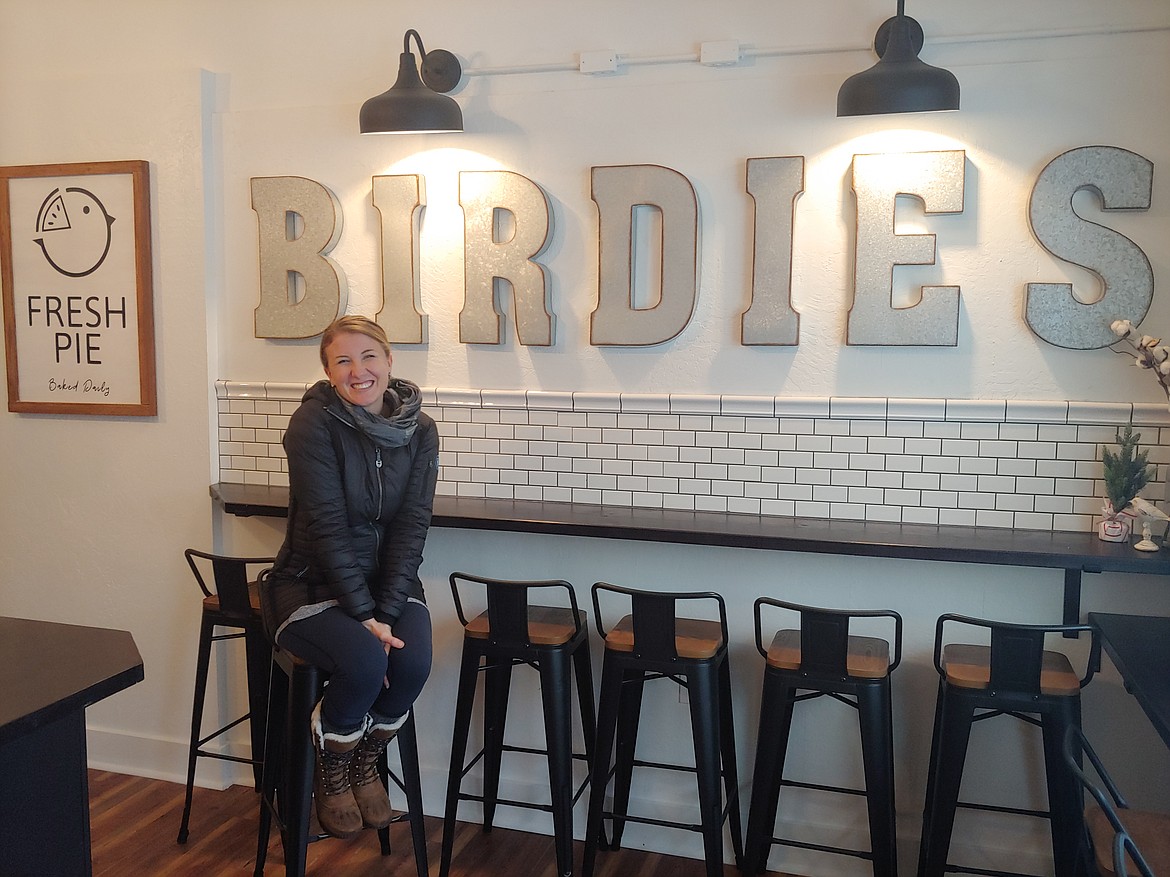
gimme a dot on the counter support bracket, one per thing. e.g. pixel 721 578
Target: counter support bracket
pixel 1072 599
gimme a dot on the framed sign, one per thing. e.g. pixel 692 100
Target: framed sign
pixel 78 303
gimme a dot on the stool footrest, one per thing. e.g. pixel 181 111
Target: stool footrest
pixel 528 805
pixel 997 808
pixel 822 848
pixel 666 823
pixel 819 787
pixel 221 756
pixel 962 869
pixel 215 734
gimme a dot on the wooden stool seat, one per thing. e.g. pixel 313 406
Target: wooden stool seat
pixel 1149 830
pixel 694 639
pixel 212 603
pixel 969 666
pixel 547 625
pixel 868 657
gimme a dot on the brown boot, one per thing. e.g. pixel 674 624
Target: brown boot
pixel 368 789
pixel 337 811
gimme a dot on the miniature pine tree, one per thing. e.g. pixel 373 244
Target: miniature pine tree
pixel 1126 472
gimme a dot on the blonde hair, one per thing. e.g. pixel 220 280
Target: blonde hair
pixel 353 323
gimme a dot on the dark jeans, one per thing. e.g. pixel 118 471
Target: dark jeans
pixel 357 664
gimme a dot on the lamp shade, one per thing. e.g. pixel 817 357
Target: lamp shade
pixel 900 82
pixel 409 105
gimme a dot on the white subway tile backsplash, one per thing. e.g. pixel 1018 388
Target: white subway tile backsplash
pixel 682 403
pixel 543 399
pixel 979 431
pixel 1027 464
pixel 501 398
pixel 858 408
pixel 919 516
pixel 850 478
pixel 1118 413
pixel 1068 432
pixel 831 427
pixel 1149 414
pixel 988 518
pixel 957 517
pixel 1019 410
pixel 609 402
pixel 1013 466
pixel 978 466
pixel 802 407
pixel 750 406
pixel 916 409
pixel 977 410
pixel 458 397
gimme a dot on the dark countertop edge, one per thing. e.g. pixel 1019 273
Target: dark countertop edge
pixel 959 544
pixel 75 704
pixel 1138 646
pixel 118 667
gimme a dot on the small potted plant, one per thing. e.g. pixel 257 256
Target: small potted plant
pixel 1126 473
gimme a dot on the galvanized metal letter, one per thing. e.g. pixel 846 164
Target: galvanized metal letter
pixel 1122 180
pixel 488 259
pixel 397 199
pixel 774 184
pixel 936 178
pixel 617 191
pixel 299 223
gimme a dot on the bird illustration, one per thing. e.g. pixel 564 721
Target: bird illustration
pixel 75 231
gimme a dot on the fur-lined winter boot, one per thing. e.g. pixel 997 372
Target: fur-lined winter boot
pixel 337 811
pixel 368 788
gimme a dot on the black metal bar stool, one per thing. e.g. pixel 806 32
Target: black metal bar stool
pixel 821 658
pixel 233 604
pixel 653 642
pixel 554 640
pixel 1013 676
pixel 1116 838
pixel 287 789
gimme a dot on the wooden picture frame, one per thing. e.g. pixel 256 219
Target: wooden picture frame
pixel 77 288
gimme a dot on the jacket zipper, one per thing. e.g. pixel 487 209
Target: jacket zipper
pixel 378 517
pixel 378 467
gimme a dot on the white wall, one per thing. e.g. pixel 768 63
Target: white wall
pixel 95 511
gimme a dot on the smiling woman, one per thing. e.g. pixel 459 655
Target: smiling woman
pixel 344 593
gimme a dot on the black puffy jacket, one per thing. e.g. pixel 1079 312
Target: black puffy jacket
pixel 358 515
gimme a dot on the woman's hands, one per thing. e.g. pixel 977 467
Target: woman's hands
pixel 384 635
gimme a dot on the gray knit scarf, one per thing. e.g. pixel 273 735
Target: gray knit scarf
pixel 403 400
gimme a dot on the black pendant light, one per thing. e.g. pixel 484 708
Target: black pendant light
pixel 415 104
pixel 899 82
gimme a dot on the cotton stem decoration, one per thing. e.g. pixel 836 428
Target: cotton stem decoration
pixel 1147 352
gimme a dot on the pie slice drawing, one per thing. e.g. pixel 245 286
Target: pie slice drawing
pixel 53 215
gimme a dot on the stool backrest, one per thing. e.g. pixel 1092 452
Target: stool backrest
pixel 229 578
pixel 1077 745
pixel 1017 650
pixel 824 634
pixel 655 617
pixel 508 603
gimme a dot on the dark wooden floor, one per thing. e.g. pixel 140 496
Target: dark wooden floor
pixel 134 822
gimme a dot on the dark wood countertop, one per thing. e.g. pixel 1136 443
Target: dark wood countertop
pixel 48 670
pixel 1073 552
